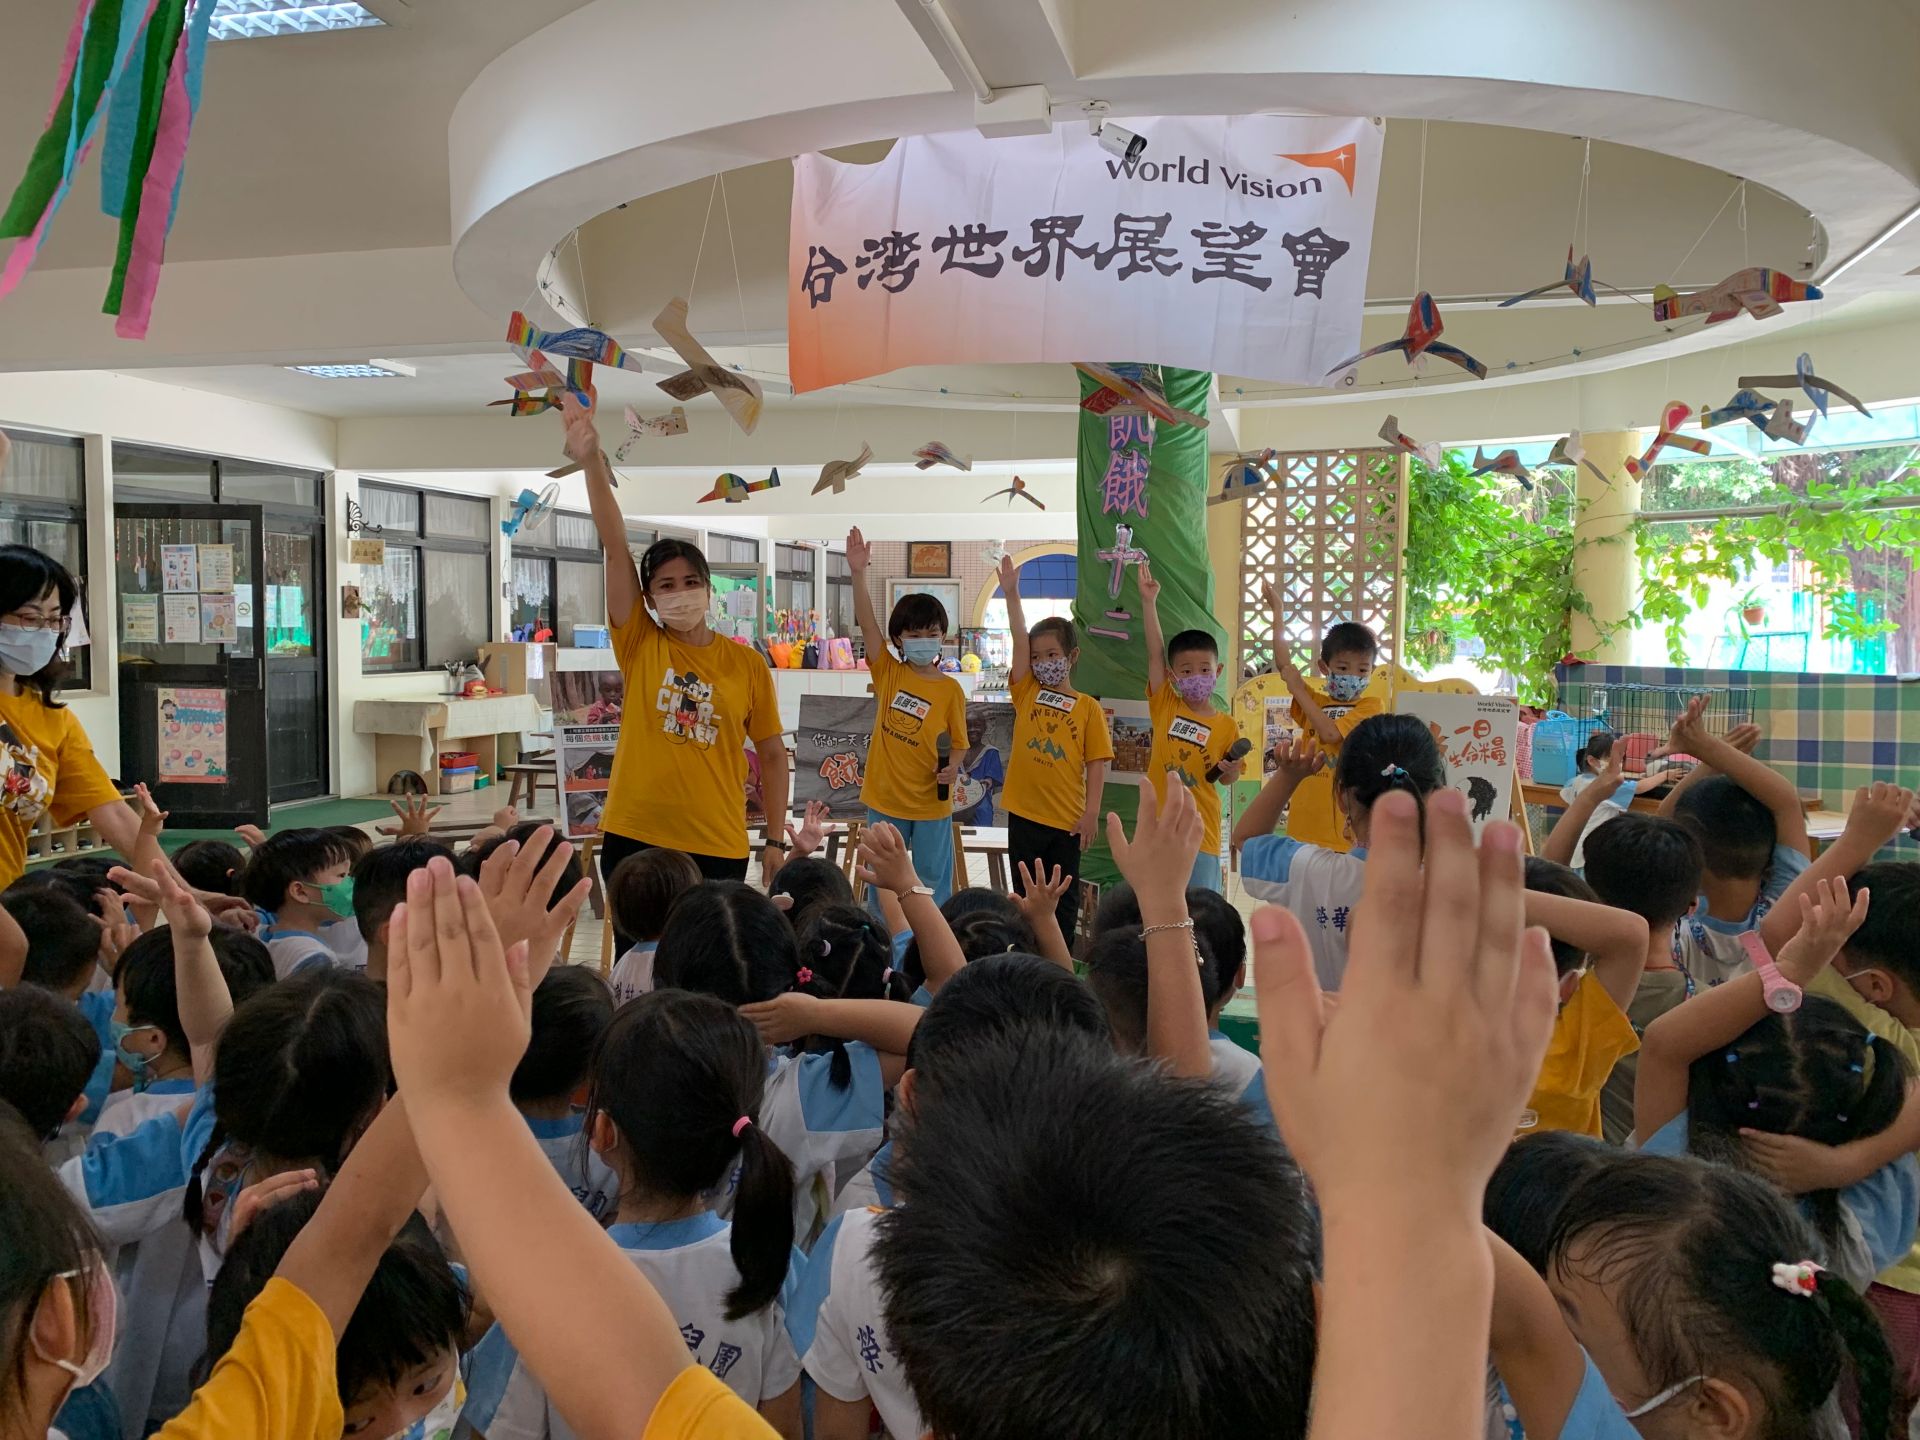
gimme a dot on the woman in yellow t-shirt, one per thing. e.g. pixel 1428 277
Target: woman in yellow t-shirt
pixel 46 762
pixel 694 701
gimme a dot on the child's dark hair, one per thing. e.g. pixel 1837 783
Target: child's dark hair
pixel 642 889
pixel 915 612
pixel 1349 637
pixel 63 937
pixel 1886 937
pixel 1531 1183
pixel 1005 995
pixel 1192 642
pixel 300 1070
pixel 809 881
pixel 726 939
pixel 1736 831
pixel 48 1052
pixel 144 976
pixel 380 879
pixel 671 548
pixel 677 1074
pixel 47 1236
pixel 27 576
pixel 845 954
pixel 984 922
pixel 1644 863
pixel 79 886
pixel 1215 922
pixel 413 1310
pixel 1553 879
pixel 1591 755
pixel 286 857
pixel 572 1006
pixel 523 834
pixel 1058 626
pixel 1033 1271
pixel 1117 973
pixel 1686 1252
pixel 357 841
pixel 1815 1073
pixel 1390 752
pixel 210 865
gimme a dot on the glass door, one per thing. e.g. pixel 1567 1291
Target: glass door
pixel 296 663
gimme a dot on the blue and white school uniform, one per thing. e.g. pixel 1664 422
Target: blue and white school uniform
pixel 1320 886
pixel 129 1185
pixel 689 1262
pixel 634 974
pixel 1711 950
pixel 294 950
pixel 819 1128
pixel 591 1179
pixel 1239 1071
pixel 873 1186
pixel 344 939
pixel 838 1324
pixel 127 1110
pixel 98 1006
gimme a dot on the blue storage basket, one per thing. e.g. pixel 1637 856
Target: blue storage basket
pixel 1557 742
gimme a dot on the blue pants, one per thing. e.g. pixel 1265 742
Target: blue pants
pixel 1206 873
pixel 931 844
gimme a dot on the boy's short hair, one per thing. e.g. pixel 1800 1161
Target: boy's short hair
pixel 48 1052
pixel 1552 879
pixel 1885 938
pixel 1215 922
pixel 286 857
pixel 1000 995
pixel 1647 864
pixel 357 841
pixel 572 1006
pixel 145 977
pixel 524 833
pixel 210 865
pixel 1192 642
pixel 1117 974
pixel 76 885
pixel 1736 831
pixel 63 936
pixel 380 879
pixel 1058 626
pixel 915 612
pixel 1037 1280
pixel 642 889
pixel 1349 637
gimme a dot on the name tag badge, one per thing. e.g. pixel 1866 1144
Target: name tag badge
pixel 1190 731
pixel 910 704
pixel 1054 700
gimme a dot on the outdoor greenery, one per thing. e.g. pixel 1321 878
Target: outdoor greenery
pixel 1488 561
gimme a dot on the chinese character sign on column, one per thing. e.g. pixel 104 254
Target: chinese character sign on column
pixel 1237 244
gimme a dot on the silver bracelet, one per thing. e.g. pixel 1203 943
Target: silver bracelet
pixel 1153 930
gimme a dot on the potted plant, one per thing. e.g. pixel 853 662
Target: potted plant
pixel 1753 607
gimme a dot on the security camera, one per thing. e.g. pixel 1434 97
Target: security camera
pixel 1118 140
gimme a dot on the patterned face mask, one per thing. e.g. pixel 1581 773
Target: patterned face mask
pixel 1346 687
pixel 1194 688
pixel 437 1423
pixel 1051 673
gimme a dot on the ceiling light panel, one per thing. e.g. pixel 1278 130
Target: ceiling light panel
pixel 348 372
pixel 257 19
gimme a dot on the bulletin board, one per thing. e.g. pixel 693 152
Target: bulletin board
pixel 739 602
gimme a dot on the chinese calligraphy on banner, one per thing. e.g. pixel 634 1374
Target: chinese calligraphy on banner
pixel 1240 245
pixel 1476 735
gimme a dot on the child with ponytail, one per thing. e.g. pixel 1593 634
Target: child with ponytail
pixel 677 1096
pixel 1382 754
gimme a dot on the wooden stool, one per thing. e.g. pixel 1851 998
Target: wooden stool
pixel 531 777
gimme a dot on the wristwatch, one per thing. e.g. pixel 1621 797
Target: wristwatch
pixel 1783 996
pixel 771 844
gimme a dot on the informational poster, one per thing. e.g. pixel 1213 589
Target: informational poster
pixel 193 737
pixel 1476 736
pixel 1132 728
pixel 830 752
pixel 216 568
pixel 587 707
pixel 180 565
pixel 217 625
pixel 1263 707
pixel 140 619
pixel 183 618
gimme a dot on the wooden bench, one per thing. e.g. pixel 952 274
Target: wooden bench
pixel 527 776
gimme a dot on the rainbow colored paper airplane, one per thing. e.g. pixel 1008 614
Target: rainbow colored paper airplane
pixel 580 343
pixel 1759 291
pixel 542 377
pixel 1578 279
pixel 735 488
pixel 1671 419
pixel 1422 337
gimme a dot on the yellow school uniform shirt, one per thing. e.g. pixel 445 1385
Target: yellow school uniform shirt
pixel 1056 735
pixel 1311 814
pixel 277 1382
pixel 1188 744
pixel 680 767
pixel 47 765
pixel 911 712
pixel 1589 1035
pixel 698 1406
pixel 1904 1273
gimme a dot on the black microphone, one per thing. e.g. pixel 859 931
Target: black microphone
pixel 1234 752
pixel 943 748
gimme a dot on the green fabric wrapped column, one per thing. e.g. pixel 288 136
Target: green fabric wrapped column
pixel 1173 533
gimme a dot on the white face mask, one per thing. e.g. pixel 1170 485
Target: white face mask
pixel 27 652
pixel 1657 1401
pixel 681 609
pixel 103 1310
pixel 437 1423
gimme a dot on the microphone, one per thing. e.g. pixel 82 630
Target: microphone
pixel 943 748
pixel 1234 752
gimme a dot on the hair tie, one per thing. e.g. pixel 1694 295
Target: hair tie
pixel 1801 1279
pixel 1395 772
pixel 745 1120
pixel 826 947
pixel 1856 1068
pixel 805 977
pixel 886 975
pixel 1733 1057
pixel 1841 1118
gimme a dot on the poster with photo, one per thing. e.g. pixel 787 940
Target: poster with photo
pixel 218 625
pixel 587 706
pixel 180 566
pixel 183 618
pixel 1476 735
pixel 1131 726
pixel 977 797
pixel 193 737
pixel 1263 709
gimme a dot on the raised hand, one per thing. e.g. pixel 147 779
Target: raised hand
pixel 885 860
pixel 1826 923
pixel 813 827
pixel 1038 894
pixel 253 835
pixel 152 818
pixel 184 912
pixel 1009 576
pixel 517 882
pixel 116 930
pixel 1298 756
pixel 1880 812
pixel 859 552
pixel 1744 737
pixel 1149 587
pixel 416 816
pixel 582 439
pixel 1688 730
pixel 1158 860
pixel 265 1194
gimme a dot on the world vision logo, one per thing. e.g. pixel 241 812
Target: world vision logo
pixel 1339 161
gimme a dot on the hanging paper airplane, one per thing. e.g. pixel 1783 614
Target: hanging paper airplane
pixel 934 453
pixel 1747 405
pixel 1758 291
pixel 1137 385
pixel 1578 279
pixel 1420 338
pixel 735 488
pixel 705 375
pixel 1429 453
pixel 674 422
pixel 1245 475
pixel 1017 490
pixel 835 473
pixel 1507 462
pixel 1671 419
pixel 1817 390
pixel 1784 427
pixel 1569 451
pixel 543 375
pixel 580 343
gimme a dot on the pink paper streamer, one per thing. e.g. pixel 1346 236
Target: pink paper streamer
pixel 156 202
pixel 70 59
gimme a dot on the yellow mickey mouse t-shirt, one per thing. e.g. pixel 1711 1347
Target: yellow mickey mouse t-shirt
pixel 1188 744
pixel 1056 735
pixel 47 766
pixel 912 712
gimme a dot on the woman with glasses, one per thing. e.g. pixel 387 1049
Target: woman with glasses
pixel 47 765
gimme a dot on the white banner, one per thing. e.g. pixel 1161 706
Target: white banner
pixel 1237 244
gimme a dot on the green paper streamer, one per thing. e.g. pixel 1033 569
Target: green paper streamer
pixel 47 166
pixel 164 34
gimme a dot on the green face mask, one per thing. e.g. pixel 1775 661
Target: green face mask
pixel 337 897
